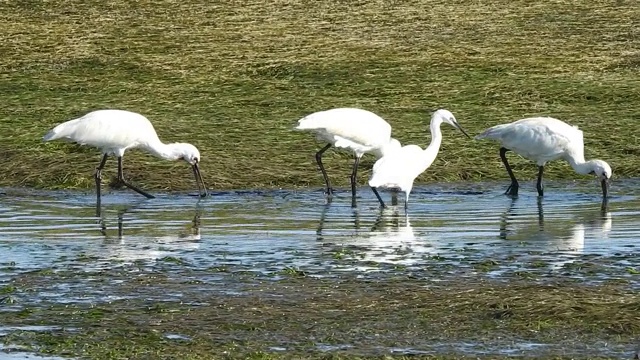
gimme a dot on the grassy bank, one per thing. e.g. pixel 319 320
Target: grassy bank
pixel 233 78
pixel 302 317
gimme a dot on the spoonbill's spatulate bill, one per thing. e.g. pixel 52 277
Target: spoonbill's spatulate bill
pixel 114 132
pixel 357 130
pixel 400 168
pixel 543 139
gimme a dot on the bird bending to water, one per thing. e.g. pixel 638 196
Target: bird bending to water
pixel 114 132
pixel 399 169
pixel 543 139
pixel 358 130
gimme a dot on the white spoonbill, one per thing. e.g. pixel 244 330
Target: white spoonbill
pixel 400 168
pixel 358 130
pixel 114 132
pixel 543 139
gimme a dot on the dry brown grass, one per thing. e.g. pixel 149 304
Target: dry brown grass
pixel 233 78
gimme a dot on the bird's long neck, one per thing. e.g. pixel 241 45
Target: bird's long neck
pixel 161 150
pixel 431 152
pixel 577 162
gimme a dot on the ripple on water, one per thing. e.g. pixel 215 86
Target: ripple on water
pixel 268 231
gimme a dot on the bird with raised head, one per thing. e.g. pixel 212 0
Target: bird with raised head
pixel 399 169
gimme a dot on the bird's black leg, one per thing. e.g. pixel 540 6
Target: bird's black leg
pixel 98 176
pixel 329 191
pixel 539 183
pixel 512 190
pixel 353 181
pixel 540 214
pixel 127 184
pixel 378 196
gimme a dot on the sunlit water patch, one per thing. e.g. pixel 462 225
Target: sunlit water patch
pixel 268 231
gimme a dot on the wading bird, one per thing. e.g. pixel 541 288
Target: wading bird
pixel 400 168
pixel 543 139
pixel 114 132
pixel 358 130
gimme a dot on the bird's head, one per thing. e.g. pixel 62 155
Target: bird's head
pixel 447 117
pixel 603 172
pixel 186 152
pixel 190 154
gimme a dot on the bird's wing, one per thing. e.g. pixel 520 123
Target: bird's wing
pixel 106 129
pixel 354 125
pixel 539 138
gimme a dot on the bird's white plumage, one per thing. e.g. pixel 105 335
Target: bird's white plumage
pixel 544 139
pixel 399 169
pixel 540 139
pixel 112 131
pixel 358 130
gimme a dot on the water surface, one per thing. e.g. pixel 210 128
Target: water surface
pixel 467 229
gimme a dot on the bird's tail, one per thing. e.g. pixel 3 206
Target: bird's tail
pixel 53 134
pixel 312 121
pixel 490 133
pixel 303 124
pixel 60 131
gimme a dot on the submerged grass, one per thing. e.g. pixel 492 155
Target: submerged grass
pixel 303 317
pixel 233 78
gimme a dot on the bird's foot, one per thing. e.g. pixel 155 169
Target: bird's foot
pixel 512 190
pixel 329 192
pixel 116 183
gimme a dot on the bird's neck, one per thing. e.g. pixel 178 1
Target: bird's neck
pixel 162 150
pixel 578 163
pixel 431 152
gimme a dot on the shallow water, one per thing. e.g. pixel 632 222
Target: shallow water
pixel 470 229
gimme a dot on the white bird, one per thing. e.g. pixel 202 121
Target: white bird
pixel 114 132
pixel 358 130
pixel 543 139
pixel 400 168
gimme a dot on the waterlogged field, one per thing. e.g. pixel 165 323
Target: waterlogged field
pixel 281 274
pixel 276 274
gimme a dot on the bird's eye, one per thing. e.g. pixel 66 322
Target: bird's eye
pixel 195 159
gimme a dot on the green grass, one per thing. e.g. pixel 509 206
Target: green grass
pixel 233 78
pixel 300 313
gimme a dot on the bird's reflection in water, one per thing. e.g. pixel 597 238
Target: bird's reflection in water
pixel 564 230
pixel 321 231
pixel 390 239
pixel 143 244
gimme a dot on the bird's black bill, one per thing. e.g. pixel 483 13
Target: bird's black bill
pixel 202 189
pixel 605 188
pixel 464 132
